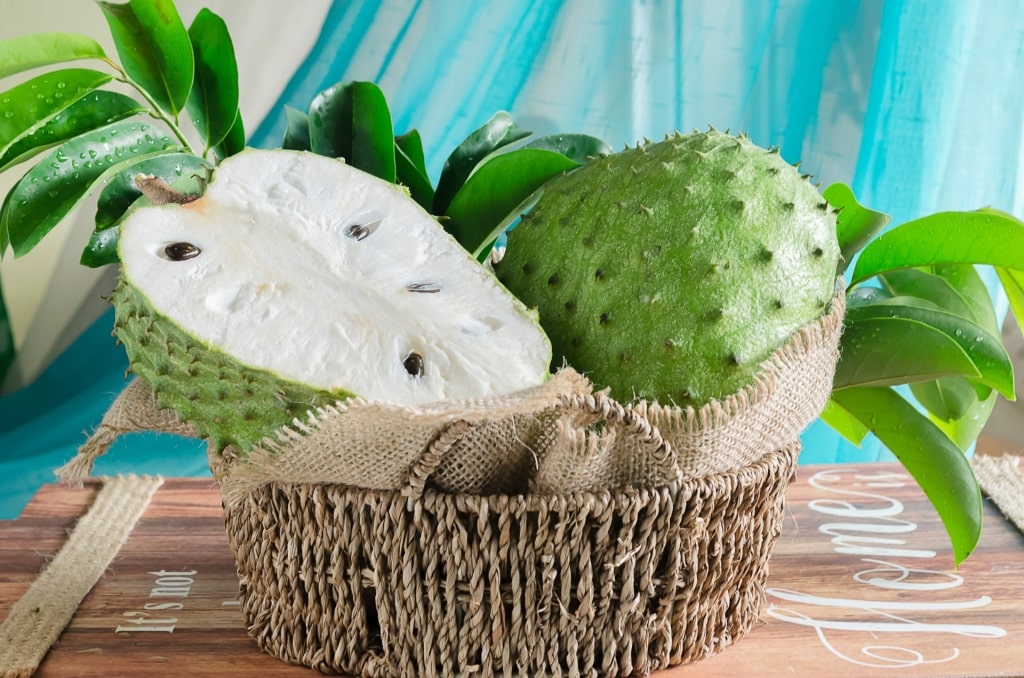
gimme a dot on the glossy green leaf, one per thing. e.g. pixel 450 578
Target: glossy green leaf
pixel 947 398
pixel 7 350
pixel 352 121
pixel 856 225
pixel 964 430
pixel 33 102
pixel 411 168
pixel 930 287
pixel 938 466
pixel 982 237
pixel 965 279
pixel 1013 284
pixel 844 423
pixel 213 102
pixel 51 189
pixel 496 188
pixel 234 141
pixel 154 49
pixel 296 130
pixel 44 49
pixel 119 190
pixel 497 132
pixel 577 147
pixel 94 110
pixel 867 357
pixel 412 145
pixel 925 334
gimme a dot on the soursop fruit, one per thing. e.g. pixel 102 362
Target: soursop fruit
pixel 297 280
pixel 670 271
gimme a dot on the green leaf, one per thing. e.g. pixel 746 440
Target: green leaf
pixel 844 423
pixel 982 237
pixel 893 340
pixel 1013 284
pixel 578 147
pixel 947 398
pixel 33 102
pixel 51 189
pixel 43 49
pixel 213 102
pixel 964 278
pixel 352 121
pixel 496 188
pixel 411 170
pixel 940 469
pixel 497 132
pixel 964 430
pixel 296 131
pixel 412 145
pixel 96 109
pixel 868 356
pixel 7 350
pixel 234 141
pixel 856 225
pixel 930 287
pixel 154 49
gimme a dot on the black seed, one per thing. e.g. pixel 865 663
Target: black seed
pixel 716 314
pixel 734 359
pixel 788 206
pixel 685 394
pixel 669 344
pixel 823 206
pixel 587 240
pixel 357 232
pixel 181 251
pixel 623 358
pixel 527 268
pixel 423 288
pixel 553 280
pixel 413 364
pixel 570 306
pixel 598 274
pixel 818 252
pixel 576 341
pixel 780 304
pixel 604 319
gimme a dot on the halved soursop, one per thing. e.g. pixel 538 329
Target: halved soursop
pixel 672 270
pixel 297 280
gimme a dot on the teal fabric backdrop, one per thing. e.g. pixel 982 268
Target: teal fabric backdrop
pixel 917 104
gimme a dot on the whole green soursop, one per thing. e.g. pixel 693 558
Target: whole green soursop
pixel 671 270
pixel 297 280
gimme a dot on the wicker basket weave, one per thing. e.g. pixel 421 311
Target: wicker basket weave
pixel 421 582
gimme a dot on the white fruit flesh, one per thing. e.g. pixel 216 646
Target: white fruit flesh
pixel 327 276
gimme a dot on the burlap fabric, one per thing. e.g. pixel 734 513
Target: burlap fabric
pixel 551 531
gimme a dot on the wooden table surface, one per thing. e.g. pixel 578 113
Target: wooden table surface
pixel 862 584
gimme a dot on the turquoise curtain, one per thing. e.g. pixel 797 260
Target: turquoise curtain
pixel 917 104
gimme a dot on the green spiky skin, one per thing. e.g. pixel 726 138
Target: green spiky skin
pixel 672 270
pixel 226 402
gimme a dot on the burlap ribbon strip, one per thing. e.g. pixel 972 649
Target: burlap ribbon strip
pixel 36 621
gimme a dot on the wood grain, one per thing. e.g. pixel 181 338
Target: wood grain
pixel 178 558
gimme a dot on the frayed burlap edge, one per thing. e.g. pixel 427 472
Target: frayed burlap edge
pixel 1002 479
pixel 788 393
pixel 134 410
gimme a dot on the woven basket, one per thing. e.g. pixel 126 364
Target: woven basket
pixel 666 564
pixel 422 582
